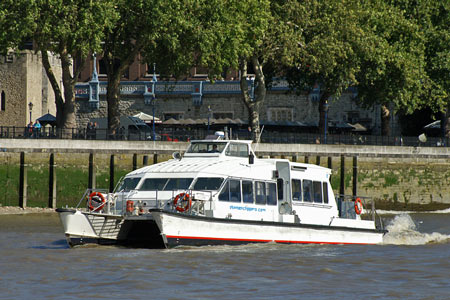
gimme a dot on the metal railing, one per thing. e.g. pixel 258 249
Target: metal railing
pixel 186 133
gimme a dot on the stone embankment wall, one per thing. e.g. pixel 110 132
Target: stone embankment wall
pixel 398 181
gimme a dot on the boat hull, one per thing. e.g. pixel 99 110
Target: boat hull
pixel 82 228
pixel 180 229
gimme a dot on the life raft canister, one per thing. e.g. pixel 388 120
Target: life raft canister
pixel 130 206
pixel 96 201
pixel 358 206
pixel 182 197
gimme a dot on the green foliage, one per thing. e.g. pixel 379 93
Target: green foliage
pixel 390 179
pixel 17 22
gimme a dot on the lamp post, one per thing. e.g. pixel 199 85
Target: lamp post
pixel 325 108
pixel 153 121
pixel 30 106
pixel 154 80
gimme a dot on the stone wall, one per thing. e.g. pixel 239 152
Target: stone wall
pixel 23 80
pixel 300 107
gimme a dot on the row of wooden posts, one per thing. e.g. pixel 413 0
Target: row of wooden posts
pixel 91 178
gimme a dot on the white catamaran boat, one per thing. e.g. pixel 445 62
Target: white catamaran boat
pixel 220 193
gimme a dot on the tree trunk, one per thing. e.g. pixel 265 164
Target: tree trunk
pixel 112 94
pixel 69 118
pixel 385 121
pixel 115 73
pixel 259 94
pixel 445 124
pixel 65 109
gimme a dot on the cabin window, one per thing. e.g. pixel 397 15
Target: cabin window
pixel 307 190
pixel 317 188
pixel 296 190
pixel 325 192
pixel 129 184
pixel 206 147
pixel 207 184
pixel 271 192
pixel 280 185
pixel 153 184
pixel 234 149
pixel 260 192
pixel 235 190
pixel 178 184
pixel 247 191
pixel 225 193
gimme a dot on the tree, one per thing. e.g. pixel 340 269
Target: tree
pixel 333 46
pixel 433 17
pixel 17 16
pixel 393 72
pixel 241 33
pixel 71 29
pixel 151 29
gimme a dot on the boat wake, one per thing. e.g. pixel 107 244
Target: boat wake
pixel 403 231
pixel 397 212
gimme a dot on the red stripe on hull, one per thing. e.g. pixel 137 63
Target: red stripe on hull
pixel 260 241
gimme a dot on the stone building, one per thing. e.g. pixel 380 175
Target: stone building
pixel 23 81
pixel 202 99
pixel 196 98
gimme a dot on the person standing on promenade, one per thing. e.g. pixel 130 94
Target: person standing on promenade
pixel 37 129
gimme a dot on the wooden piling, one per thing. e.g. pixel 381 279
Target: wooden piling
pixel 23 182
pixel 355 176
pixel 91 180
pixel 318 160
pixel 111 173
pixel 342 181
pixel 306 159
pixel 145 160
pixel 155 158
pixel 330 163
pixel 52 182
pixel 294 158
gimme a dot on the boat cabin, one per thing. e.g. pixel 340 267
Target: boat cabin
pixel 231 183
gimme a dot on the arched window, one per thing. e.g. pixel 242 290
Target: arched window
pixel 3 101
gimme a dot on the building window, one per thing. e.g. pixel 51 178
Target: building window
pixel 149 71
pixel 277 114
pixel 102 71
pixel 200 72
pixel 3 101
pixel 173 115
pixel 223 115
pixel 9 58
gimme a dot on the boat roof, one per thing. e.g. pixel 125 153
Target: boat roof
pixel 222 164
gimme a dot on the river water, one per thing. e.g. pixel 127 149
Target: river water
pixel 413 263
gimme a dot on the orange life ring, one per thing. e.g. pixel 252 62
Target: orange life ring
pixel 102 200
pixel 130 206
pixel 182 197
pixel 358 206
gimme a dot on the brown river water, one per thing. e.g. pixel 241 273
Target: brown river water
pixel 412 263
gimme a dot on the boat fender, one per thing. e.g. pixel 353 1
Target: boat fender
pixel 358 206
pixel 96 201
pixel 182 197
